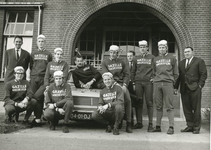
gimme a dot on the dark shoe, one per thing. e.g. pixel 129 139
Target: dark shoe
pixel 157 129
pixel 109 129
pixel 65 129
pixel 26 123
pixel 187 129
pixel 170 131
pixel 128 128
pixel 52 126
pixel 35 124
pixel 196 131
pixel 115 131
pixel 138 126
pixel 150 128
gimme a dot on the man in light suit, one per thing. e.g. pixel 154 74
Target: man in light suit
pixel 192 76
pixel 16 57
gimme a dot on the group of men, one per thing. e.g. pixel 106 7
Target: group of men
pixel 124 85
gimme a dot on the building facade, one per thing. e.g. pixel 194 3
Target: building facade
pixel 93 25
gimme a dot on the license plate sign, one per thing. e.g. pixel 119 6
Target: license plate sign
pixel 81 116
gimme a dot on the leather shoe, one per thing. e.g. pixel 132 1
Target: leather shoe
pixel 196 131
pixel 138 126
pixel 187 129
pixel 115 131
pixel 170 131
pixel 157 129
pixel 108 129
pixel 150 128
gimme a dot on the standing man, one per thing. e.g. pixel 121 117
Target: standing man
pixel 38 64
pixel 121 74
pixel 59 102
pixel 165 75
pixel 16 57
pixel 86 76
pixel 18 97
pixel 142 73
pixel 111 104
pixel 192 76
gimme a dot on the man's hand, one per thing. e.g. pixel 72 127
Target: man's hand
pixel 61 111
pixel 175 91
pixel 25 101
pixel 152 80
pixel 88 84
pixel 51 106
pixel 101 109
pixel 20 105
pixel 134 87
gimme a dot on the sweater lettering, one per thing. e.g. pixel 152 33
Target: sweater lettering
pixel 18 88
pixel 163 62
pixel 86 68
pixel 115 66
pixel 56 68
pixel 144 61
pixel 40 57
pixel 58 93
pixel 109 96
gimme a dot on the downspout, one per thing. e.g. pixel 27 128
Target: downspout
pixel 39 20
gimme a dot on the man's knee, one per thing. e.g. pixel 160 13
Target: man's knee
pixel 118 108
pixel 33 102
pixel 9 109
pixel 49 114
pixel 69 104
pixel 95 115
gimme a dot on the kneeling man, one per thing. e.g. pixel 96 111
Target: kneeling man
pixel 59 102
pixel 111 104
pixel 18 97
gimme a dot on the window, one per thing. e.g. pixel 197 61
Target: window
pixel 18 23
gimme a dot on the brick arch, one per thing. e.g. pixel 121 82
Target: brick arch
pixel 158 8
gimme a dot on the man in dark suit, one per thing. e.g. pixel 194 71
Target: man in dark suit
pixel 192 76
pixel 16 57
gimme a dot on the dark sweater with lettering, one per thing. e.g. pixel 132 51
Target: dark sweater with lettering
pixel 85 74
pixel 55 66
pixel 113 95
pixel 39 61
pixel 142 70
pixel 56 94
pixel 165 69
pixel 17 91
pixel 118 68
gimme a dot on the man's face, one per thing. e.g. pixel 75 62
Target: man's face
pixel 162 49
pixel 41 43
pixel 107 81
pixel 113 54
pixel 188 53
pixel 79 62
pixel 58 55
pixel 18 42
pixel 58 80
pixel 143 49
pixel 130 56
pixel 19 76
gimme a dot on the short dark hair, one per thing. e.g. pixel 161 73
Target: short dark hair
pixel 77 56
pixel 17 36
pixel 133 52
pixel 189 47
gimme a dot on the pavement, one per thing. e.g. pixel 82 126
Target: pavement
pixel 89 135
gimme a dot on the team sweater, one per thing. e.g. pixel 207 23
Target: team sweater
pixel 39 62
pixel 85 74
pixel 56 94
pixel 55 66
pixel 165 69
pixel 142 70
pixel 17 91
pixel 118 68
pixel 113 95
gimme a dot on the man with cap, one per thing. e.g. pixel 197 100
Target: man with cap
pixel 142 73
pixel 16 57
pixel 18 97
pixel 192 77
pixel 111 104
pixel 165 75
pixel 121 74
pixel 86 76
pixel 39 61
pixel 59 102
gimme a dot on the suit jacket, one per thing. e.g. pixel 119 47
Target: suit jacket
pixel 11 62
pixel 193 76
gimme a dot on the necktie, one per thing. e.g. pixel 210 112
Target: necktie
pixel 131 65
pixel 17 54
pixel 187 64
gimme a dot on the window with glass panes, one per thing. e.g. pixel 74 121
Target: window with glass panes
pixel 18 23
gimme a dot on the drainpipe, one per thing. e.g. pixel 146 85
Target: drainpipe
pixel 39 20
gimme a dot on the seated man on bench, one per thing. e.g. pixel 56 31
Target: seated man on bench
pixel 86 76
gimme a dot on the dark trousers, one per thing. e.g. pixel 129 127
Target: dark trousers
pixel 53 116
pixel 144 89
pixel 191 101
pixel 128 105
pixel 38 89
pixel 11 109
pixel 110 116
